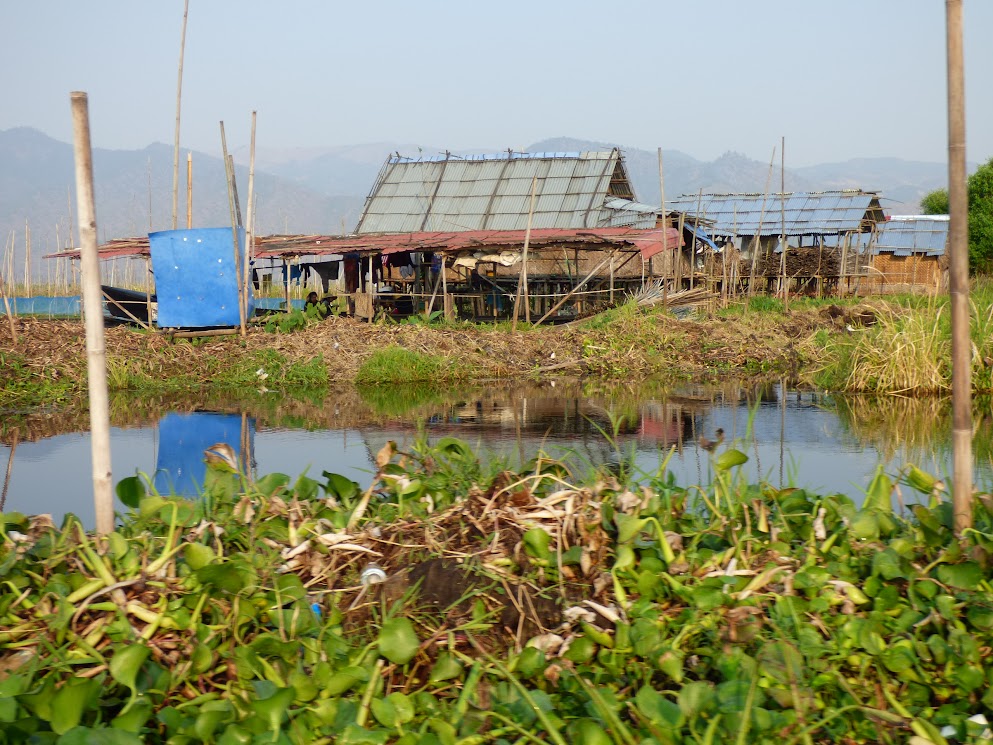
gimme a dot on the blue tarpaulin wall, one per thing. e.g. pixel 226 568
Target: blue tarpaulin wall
pixel 179 466
pixel 196 279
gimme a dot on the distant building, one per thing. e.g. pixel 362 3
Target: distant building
pixel 909 252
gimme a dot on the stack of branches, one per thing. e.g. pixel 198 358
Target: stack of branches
pixel 808 261
pixel 653 294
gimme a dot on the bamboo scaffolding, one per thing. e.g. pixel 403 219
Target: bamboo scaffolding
pixel 103 496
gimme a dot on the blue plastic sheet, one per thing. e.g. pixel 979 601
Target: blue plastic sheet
pixel 196 279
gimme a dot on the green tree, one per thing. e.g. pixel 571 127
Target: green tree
pixel 935 203
pixel 980 187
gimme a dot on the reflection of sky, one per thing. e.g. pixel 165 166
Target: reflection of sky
pixel 801 444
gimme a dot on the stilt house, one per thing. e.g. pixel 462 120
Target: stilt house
pixel 827 234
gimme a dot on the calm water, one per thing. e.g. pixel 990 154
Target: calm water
pixel 791 437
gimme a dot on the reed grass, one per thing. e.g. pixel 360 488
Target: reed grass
pixel 396 364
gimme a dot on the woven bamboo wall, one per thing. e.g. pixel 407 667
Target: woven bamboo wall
pixel 891 273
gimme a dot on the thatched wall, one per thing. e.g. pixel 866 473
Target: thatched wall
pixel 891 273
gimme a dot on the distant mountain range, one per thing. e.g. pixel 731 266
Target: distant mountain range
pixel 322 190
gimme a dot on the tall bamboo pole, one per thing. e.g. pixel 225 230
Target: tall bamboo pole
pixel 758 235
pixel 179 100
pixel 696 236
pixel 27 258
pixel 10 313
pixel 665 226
pixel 959 275
pixel 228 168
pixel 250 225
pixel 522 282
pixel 189 190
pixel 103 496
pixel 782 223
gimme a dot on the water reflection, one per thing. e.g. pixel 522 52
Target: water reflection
pixel 790 436
pixel 182 438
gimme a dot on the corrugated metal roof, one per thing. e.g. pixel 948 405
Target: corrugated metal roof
pixel 806 213
pixel 487 192
pixel 903 237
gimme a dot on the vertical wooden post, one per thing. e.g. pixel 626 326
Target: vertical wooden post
pixel 179 99
pixel 756 244
pixel 189 190
pixel 103 496
pixel 959 275
pixel 522 282
pixel 696 237
pixel 27 258
pixel 250 222
pixel 665 225
pixel 10 313
pixel 229 171
pixel 782 223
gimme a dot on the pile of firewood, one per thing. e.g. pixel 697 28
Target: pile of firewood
pixel 800 262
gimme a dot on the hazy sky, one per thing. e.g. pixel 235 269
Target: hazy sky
pixel 838 78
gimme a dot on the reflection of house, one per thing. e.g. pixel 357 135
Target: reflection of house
pixel 825 231
pixel 909 252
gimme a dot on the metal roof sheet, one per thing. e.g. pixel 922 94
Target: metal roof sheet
pixel 903 237
pixel 800 213
pixel 479 192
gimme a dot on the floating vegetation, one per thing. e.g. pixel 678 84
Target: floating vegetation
pixel 450 604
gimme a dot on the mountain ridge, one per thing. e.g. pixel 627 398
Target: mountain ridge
pixel 322 190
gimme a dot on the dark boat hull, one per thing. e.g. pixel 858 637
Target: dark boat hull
pixel 128 306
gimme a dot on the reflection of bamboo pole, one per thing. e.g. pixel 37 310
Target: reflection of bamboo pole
pixel 93 316
pixel 179 99
pixel 10 468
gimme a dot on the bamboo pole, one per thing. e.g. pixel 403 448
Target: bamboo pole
pixel 10 314
pixel 782 224
pixel 696 237
pixel 523 279
pixel 756 243
pixel 665 226
pixel 959 275
pixel 103 496
pixel 575 289
pixel 228 166
pixel 179 99
pixel 250 223
pixel 189 191
pixel 27 258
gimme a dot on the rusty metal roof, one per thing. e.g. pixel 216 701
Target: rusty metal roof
pixel 649 242
pixel 806 213
pixel 493 192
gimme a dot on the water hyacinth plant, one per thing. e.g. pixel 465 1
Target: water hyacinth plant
pixel 517 606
